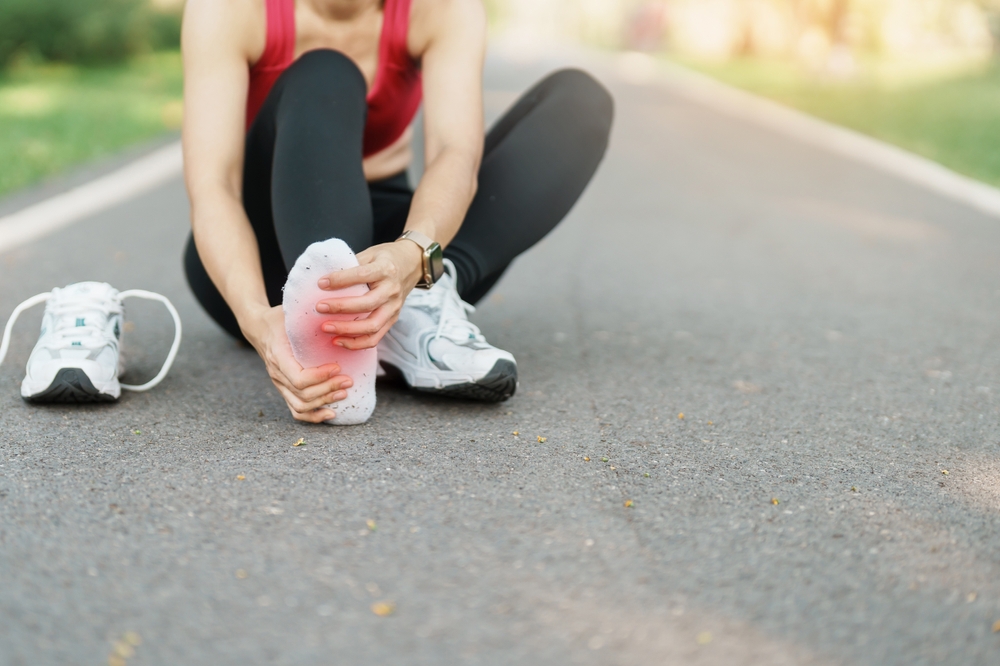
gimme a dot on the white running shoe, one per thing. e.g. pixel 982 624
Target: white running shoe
pixel 76 358
pixel 437 349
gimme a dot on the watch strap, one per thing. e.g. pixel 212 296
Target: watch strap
pixel 432 257
pixel 420 239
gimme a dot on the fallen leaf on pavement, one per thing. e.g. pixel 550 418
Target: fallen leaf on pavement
pixel 681 416
pixel 945 472
pixel 240 477
pixel 586 459
pixel 302 440
pixel 746 387
pixel 541 440
pixel 516 434
pixel 775 501
pixel 383 608
pixel 371 525
pixel 628 503
pixel 996 627
pixel 124 650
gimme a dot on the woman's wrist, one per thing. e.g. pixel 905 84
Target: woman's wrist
pixel 413 269
pixel 252 320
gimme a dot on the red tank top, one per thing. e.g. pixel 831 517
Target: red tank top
pixel 395 93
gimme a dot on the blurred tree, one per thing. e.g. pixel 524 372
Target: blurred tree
pixel 825 35
pixel 991 8
pixel 85 31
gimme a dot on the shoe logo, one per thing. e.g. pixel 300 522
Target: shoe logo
pixel 80 321
pixel 77 343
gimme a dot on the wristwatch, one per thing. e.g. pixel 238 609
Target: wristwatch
pixel 433 258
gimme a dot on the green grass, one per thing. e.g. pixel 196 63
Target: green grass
pixel 953 119
pixel 55 116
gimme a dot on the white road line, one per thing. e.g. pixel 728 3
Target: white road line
pixel 848 143
pixel 143 174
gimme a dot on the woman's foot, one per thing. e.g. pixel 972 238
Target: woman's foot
pixel 312 347
pixel 437 349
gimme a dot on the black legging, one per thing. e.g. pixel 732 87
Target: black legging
pixel 303 180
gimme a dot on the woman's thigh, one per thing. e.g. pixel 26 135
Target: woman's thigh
pixel 538 159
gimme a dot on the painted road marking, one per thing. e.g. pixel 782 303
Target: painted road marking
pixel 63 209
pixel 640 68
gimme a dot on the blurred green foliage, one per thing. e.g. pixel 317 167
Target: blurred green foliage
pixel 954 120
pixel 83 31
pixel 54 115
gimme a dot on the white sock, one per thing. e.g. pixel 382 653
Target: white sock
pixel 310 345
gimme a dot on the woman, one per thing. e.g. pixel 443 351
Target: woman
pixel 297 129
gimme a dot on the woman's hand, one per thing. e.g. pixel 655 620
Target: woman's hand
pixel 390 270
pixel 306 391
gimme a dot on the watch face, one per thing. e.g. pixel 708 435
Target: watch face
pixel 435 260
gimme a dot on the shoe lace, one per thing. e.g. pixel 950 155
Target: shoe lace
pixel 69 312
pixel 453 322
pixel 64 308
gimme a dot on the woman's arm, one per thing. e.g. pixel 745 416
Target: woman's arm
pixel 454 32
pixel 216 53
pixel 453 118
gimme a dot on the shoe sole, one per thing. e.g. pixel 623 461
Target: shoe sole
pixel 497 385
pixel 71 385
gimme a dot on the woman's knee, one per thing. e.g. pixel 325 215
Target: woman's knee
pixel 583 96
pixel 323 75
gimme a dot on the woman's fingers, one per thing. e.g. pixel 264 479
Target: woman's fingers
pixel 375 298
pixel 319 391
pixel 312 391
pixel 362 341
pixel 297 378
pixel 297 404
pixel 317 416
pixel 363 274
pixel 369 340
pixel 370 325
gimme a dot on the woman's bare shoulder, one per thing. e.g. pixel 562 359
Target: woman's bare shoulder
pixel 431 19
pixel 239 24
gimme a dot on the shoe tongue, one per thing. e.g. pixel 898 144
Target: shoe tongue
pixel 443 284
pixel 89 290
pixel 445 280
pixel 81 311
pixel 459 331
pixel 86 296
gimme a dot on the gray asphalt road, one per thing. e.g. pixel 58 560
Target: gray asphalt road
pixel 829 333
